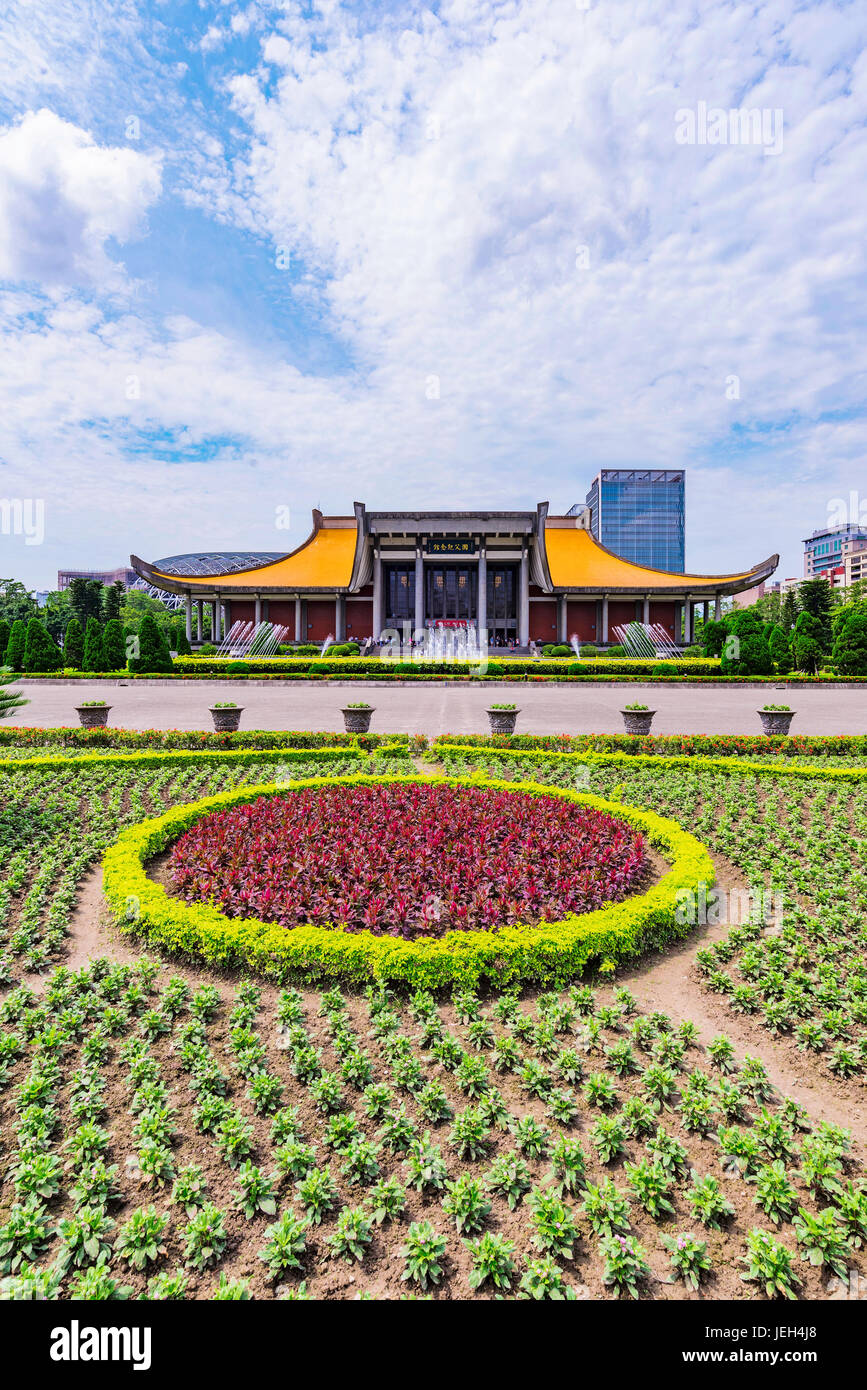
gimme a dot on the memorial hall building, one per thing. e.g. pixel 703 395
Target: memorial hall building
pixel 522 575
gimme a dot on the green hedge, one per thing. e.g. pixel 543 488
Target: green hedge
pixel 244 757
pixel 373 668
pixel 466 753
pixel 691 745
pixel 552 952
pixel 205 740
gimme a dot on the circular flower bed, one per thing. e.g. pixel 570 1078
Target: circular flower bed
pixel 408 859
pixel 549 951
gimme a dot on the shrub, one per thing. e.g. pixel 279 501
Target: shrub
pixel 181 641
pixel 750 655
pixel 153 655
pixel 73 645
pixel 113 646
pixel 207 649
pixel 588 649
pixel 850 649
pixel 93 656
pixel 41 652
pixel 713 636
pixel 16 644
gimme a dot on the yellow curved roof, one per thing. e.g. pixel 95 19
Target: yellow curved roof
pixel 577 561
pixel 324 561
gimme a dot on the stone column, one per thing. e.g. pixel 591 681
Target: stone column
pixel 377 594
pixel 646 614
pixel 188 606
pixel 482 600
pixel 717 607
pixel 200 619
pixel 213 607
pixel 258 617
pixel 524 601
pixel 419 589
pixel 604 618
pixel 340 618
pixel 227 615
pixel 298 636
pixel 562 618
pixel 687 621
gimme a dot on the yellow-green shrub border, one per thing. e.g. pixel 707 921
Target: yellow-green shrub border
pixel 553 951
pixel 536 757
pixel 177 757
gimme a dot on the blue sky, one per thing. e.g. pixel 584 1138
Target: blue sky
pixel 267 256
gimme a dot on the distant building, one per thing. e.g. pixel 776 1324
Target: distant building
pixel 830 547
pixel 639 514
pixel 124 574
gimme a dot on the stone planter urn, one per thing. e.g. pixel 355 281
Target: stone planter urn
pixel 357 721
pixel 226 720
pixel 776 721
pixel 637 721
pixel 502 721
pixel 92 716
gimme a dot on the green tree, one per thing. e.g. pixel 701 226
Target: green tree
pixel 816 598
pixel 182 645
pixel 789 610
pixel 15 646
pixel 9 699
pixel 73 645
pixel 112 600
pixel 113 646
pixel 780 649
pixel 16 602
pixel 850 649
pixel 153 654
pixel 56 613
pixel 4 637
pixel 713 635
pixel 85 599
pixel 808 646
pixel 93 659
pixel 41 652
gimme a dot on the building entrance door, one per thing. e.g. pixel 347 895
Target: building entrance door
pixel 502 604
pixel 451 591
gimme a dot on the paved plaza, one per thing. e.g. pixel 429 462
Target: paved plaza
pixel 440 708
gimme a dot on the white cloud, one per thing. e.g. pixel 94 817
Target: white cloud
pixel 437 176
pixel 62 197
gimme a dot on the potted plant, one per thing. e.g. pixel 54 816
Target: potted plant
pixel 357 716
pixel 502 718
pixel 226 716
pixel 637 719
pixel 776 719
pixel 92 714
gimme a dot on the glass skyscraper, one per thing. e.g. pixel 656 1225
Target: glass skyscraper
pixel 639 513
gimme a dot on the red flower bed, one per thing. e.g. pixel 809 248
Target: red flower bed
pixel 407 860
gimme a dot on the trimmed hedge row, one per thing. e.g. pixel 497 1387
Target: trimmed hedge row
pixel 552 952
pixel 76 737
pixel 242 757
pixel 375 668
pixel 463 753
pixel 691 745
